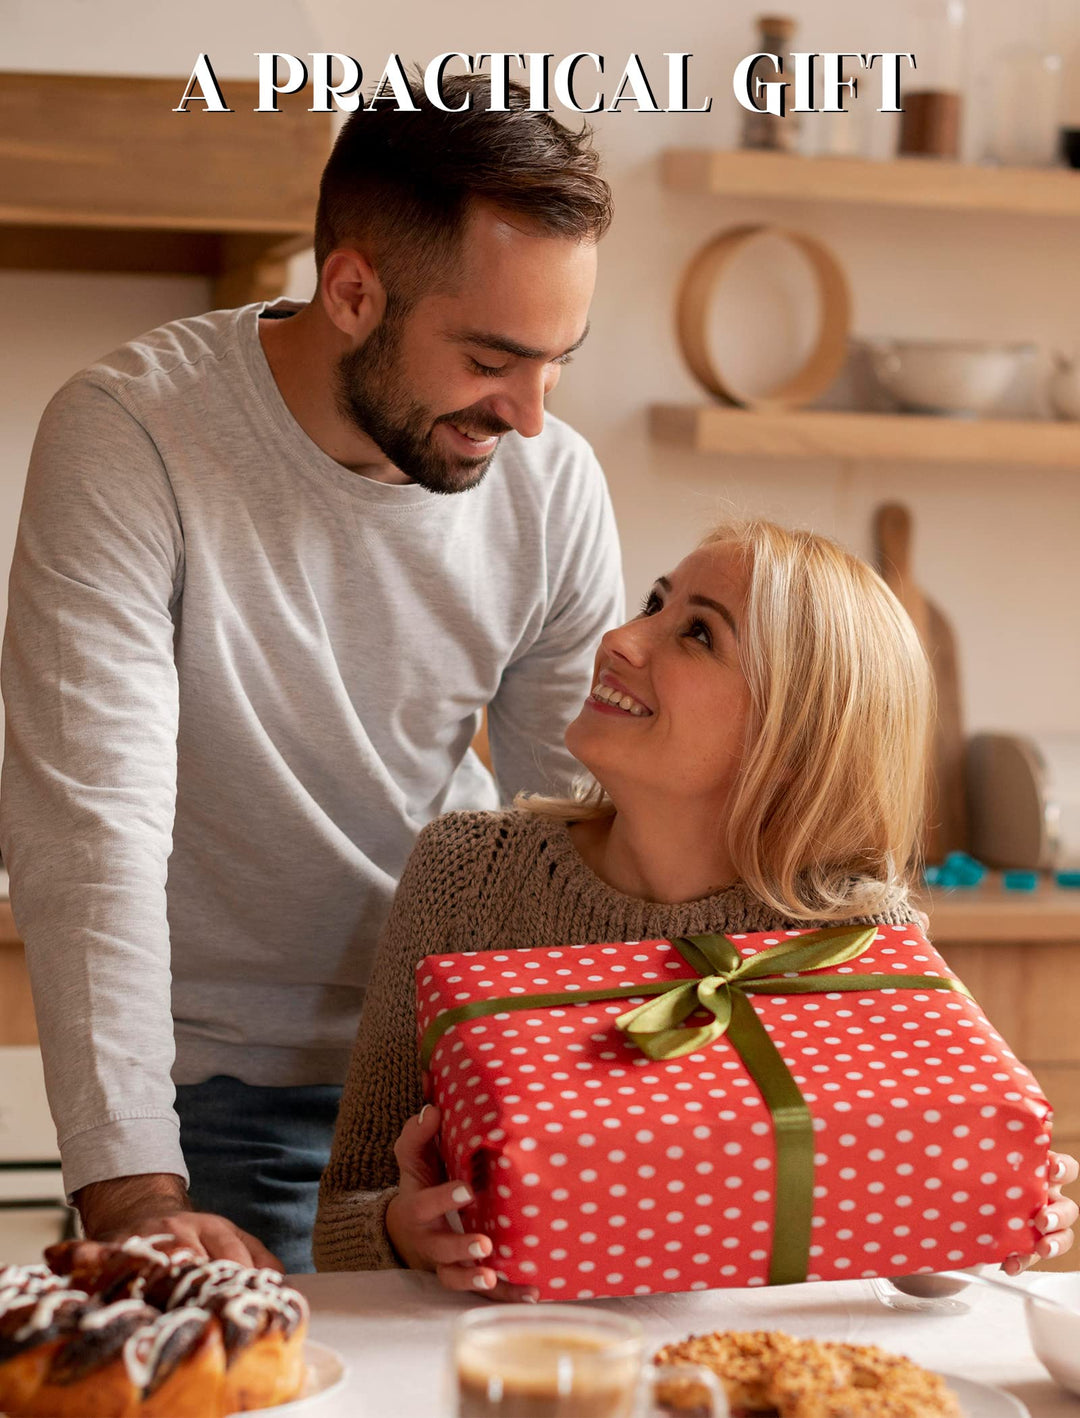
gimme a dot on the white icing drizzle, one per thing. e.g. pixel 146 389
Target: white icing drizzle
pixel 102 1318
pixel 143 1349
pixel 17 1282
pixel 209 1274
pixel 44 1311
pixel 247 1308
pixel 25 1275
pixel 145 1248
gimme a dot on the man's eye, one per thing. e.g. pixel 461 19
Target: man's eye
pixel 491 370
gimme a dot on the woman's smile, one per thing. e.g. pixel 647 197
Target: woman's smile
pixel 611 696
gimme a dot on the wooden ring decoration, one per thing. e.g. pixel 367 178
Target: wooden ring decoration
pixel 693 308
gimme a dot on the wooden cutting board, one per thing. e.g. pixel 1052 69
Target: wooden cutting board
pixel 946 809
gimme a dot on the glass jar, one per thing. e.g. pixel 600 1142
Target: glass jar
pixel 933 94
pixel 1023 106
pixel 771 130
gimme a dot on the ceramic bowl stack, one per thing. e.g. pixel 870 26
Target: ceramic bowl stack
pixel 954 378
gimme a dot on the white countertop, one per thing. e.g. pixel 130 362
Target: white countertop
pixel 393 1327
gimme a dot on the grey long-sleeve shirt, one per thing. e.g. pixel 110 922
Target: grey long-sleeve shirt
pixel 239 679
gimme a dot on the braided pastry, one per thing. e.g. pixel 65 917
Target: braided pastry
pixel 146 1329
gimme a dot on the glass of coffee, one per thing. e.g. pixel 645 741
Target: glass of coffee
pixel 568 1361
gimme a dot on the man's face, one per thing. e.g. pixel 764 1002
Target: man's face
pixel 435 389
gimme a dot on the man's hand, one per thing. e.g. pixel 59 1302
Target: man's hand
pixel 158 1205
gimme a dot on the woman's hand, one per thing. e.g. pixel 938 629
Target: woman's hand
pixel 1055 1220
pixel 419 1219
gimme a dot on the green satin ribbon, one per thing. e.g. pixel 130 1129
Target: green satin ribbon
pixel 725 980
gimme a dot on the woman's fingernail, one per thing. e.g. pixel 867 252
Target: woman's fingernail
pixel 420 1115
pixel 481 1282
pixel 1060 1168
pixel 478 1250
pixel 530 1297
pixel 1050 1221
pixel 461 1196
pixel 1052 1248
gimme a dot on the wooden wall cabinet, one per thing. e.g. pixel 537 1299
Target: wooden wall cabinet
pixel 99 174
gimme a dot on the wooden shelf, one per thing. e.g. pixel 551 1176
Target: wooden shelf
pixel 99 174
pixel 819 433
pixel 988 914
pixel 901 182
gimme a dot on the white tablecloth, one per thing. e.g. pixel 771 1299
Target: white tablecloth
pixel 393 1328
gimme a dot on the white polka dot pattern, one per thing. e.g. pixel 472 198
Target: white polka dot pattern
pixel 600 1172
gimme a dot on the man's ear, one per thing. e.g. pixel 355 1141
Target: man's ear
pixel 351 293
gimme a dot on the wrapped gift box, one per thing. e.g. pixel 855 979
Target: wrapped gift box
pixel 900 1132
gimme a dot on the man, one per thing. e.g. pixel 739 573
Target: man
pixel 271 565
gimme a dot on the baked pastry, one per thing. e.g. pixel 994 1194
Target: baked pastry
pixel 146 1329
pixel 744 1362
pixel 766 1371
pixel 872 1384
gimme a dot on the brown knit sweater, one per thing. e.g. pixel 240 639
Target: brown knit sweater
pixel 477 881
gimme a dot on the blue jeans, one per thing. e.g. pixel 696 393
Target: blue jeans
pixel 256 1155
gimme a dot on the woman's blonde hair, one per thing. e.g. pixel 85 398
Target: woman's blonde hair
pixel 826 814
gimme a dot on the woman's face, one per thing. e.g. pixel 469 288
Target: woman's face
pixel 669 705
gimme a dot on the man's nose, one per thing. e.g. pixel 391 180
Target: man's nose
pixel 521 403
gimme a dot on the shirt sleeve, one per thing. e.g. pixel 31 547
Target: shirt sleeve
pixel 383 1088
pixel 544 685
pixel 89 778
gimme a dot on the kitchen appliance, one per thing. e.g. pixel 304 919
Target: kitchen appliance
pixel 33 1210
pixel 1024 797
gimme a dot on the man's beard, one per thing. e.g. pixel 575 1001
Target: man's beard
pixel 371 394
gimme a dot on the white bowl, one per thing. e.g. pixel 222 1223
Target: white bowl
pixel 946 376
pixel 1055 1337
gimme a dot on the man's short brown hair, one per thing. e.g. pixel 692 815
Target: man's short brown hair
pixel 399 185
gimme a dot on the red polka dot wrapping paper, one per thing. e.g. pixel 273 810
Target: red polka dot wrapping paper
pixel 601 1172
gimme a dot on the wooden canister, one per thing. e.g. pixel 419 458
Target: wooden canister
pixel 930 125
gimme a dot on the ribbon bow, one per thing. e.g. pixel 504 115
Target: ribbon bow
pixel 654 1025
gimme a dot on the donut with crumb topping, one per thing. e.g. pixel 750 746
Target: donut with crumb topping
pixel 767 1371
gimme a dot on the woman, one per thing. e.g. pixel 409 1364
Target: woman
pixel 758 741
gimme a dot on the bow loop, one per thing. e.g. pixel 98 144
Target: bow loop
pixel 654 1025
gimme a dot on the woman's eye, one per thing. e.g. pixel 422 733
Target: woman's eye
pixel 698 630
pixel 651 604
pixel 491 370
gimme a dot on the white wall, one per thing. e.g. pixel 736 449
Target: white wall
pixel 996 547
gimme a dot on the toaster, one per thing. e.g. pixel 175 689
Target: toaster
pixel 1024 800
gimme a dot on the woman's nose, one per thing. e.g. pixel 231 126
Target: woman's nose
pixel 629 641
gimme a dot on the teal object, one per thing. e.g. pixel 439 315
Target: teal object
pixel 1020 880
pixel 958 869
pixel 1068 878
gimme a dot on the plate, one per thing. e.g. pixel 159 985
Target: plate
pixel 977 1400
pixel 326 1371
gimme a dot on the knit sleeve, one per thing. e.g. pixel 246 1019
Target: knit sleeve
pixel 383 1087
